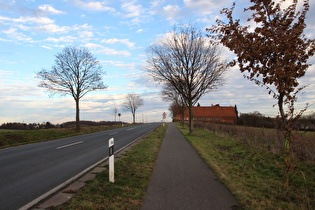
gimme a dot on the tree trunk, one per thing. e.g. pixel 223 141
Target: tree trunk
pixel 182 119
pixel 134 117
pixel 285 128
pixel 190 118
pixel 77 116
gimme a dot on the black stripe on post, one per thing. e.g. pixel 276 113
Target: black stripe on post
pixel 111 151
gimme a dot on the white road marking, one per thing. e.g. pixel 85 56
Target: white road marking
pixel 69 145
pixel 112 134
pixel 130 129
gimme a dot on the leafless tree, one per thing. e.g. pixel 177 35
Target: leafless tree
pixel 75 72
pixel 132 103
pixel 189 62
pixel 115 112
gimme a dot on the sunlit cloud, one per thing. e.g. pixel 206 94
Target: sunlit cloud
pixel 93 5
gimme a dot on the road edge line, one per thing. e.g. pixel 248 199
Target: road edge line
pixel 76 177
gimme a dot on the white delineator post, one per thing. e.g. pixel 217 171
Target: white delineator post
pixel 111 160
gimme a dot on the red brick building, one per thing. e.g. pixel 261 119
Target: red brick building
pixel 216 113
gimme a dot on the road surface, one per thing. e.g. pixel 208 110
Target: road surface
pixel 28 171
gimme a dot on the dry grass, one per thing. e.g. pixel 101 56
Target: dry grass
pixel 267 139
pixel 254 175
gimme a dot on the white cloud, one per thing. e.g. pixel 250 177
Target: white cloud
pixel 28 20
pixel 171 12
pixel 86 34
pixel 107 51
pixel 61 39
pixel 139 30
pixel 48 9
pixel 13 34
pixel 132 9
pixel 126 42
pixel 46 47
pixel 110 51
pixel 130 66
pixel 93 5
pixel 52 28
pixel 93 46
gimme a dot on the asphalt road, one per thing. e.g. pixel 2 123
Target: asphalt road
pixel 28 171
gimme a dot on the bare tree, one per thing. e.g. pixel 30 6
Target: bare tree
pixel 115 112
pixel 189 62
pixel 132 103
pixel 169 93
pixel 76 72
pixel 274 54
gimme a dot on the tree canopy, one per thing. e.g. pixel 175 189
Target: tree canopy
pixel 75 72
pixel 188 62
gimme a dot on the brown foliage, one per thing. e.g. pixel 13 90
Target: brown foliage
pixel 273 54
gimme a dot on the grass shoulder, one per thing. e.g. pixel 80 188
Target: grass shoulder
pixel 132 175
pixel 253 175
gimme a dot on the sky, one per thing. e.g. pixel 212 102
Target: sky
pixel 118 33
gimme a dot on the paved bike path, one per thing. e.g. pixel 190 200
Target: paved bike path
pixel 181 179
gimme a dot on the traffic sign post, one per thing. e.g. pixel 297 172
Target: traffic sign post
pixel 111 160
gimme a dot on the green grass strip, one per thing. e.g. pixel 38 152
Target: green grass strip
pixel 132 175
pixel 9 138
pixel 254 176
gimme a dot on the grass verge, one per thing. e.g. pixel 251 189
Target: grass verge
pixel 132 175
pixel 253 175
pixel 9 138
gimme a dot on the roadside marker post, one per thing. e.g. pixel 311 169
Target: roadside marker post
pixel 111 160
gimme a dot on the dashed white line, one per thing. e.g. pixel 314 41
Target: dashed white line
pixel 112 134
pixel 69 145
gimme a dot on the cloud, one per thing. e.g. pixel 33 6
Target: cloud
pixel 52 28
pixel 17 36
pixel 171 12
pixel 131 9
pixel 129 66
pixel 93 5
pixel 105 50
pixel 28 20
pixel 126 42
pixel 47 9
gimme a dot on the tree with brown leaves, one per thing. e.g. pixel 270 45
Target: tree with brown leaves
pixel 274 53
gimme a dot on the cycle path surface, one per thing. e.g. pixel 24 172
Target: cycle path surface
pixel 181 179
